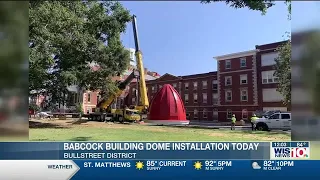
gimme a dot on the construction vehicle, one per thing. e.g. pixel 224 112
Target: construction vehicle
pixel 142 105
pixel 134 113
pixel 104 111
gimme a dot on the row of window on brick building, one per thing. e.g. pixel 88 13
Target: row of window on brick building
pixel 243 63
pixel 187 87
pixel 154 89
pixel 205 113
pixel 267 77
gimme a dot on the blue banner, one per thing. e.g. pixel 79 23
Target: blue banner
pixel 133 150
pixel 193 169
pixel 159 169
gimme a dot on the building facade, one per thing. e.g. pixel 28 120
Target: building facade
pixel 237 78
pixel 270 98
pixel 243 84
pixel 199 93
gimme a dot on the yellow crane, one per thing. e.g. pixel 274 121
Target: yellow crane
pixel 133 113
pixel 143 102
pixel 105 112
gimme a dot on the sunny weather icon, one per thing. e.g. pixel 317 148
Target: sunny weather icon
pixel 139 165
pixel 197 165
pixel 255 165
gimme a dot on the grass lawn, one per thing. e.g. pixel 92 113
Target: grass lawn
pixel 59 130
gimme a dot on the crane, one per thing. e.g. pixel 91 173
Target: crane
pixel 104 112
pixel 143 102
pixel 133 113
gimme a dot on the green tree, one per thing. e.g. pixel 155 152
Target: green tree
pixel 256 5
pixel 65 37
pixel 283 71
pixel 283 65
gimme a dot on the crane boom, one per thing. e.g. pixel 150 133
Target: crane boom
pixel 105 102
pixel 138 54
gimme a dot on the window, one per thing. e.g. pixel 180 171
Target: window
pixel 132 55
pixel 195 114
pixel 243 79
pixel 89 97
pixel 195 98
pixel 205 114
pixel 269 59
pixel 228 96
pixel 244 95
pixel 243 62
pixel 204 97
pixel 204 84
pixel 153 89
pixel 133 100
pixel 228 80
pixel 244 114
pixel 186 98
pixel 275 116
pixel 215 98
pixel 228 64
pixel 186 86
pixel 271 95
pixel 229 114
pixel 268 77
pixel 195 85
pixel 285 116
pixel 215 114
pixel 174 85
pixel 89 110
pixel 215 84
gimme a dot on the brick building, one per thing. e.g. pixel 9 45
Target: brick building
pixel 237 78
pixel 247 83
pixel 270 98
pixel 199 93
pixel 243 84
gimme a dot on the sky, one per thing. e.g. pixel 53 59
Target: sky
pixel 181 38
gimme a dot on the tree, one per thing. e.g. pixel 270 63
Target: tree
pixel 68 38
pixel 283 71
pixel 283 65
pixel 256 5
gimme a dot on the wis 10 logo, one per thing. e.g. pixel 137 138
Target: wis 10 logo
pixel 290 150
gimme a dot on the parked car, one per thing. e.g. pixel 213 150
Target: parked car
pixel 275 121
pixel 43 115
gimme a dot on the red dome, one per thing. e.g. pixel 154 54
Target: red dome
pixel 167 107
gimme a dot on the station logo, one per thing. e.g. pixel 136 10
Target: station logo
pixel 300 152
pixel 289 152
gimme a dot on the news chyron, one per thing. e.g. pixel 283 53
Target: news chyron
pixel 290 150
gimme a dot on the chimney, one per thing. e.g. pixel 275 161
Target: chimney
pixel 145 71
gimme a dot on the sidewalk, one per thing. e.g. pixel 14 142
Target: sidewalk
pixel 212 125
